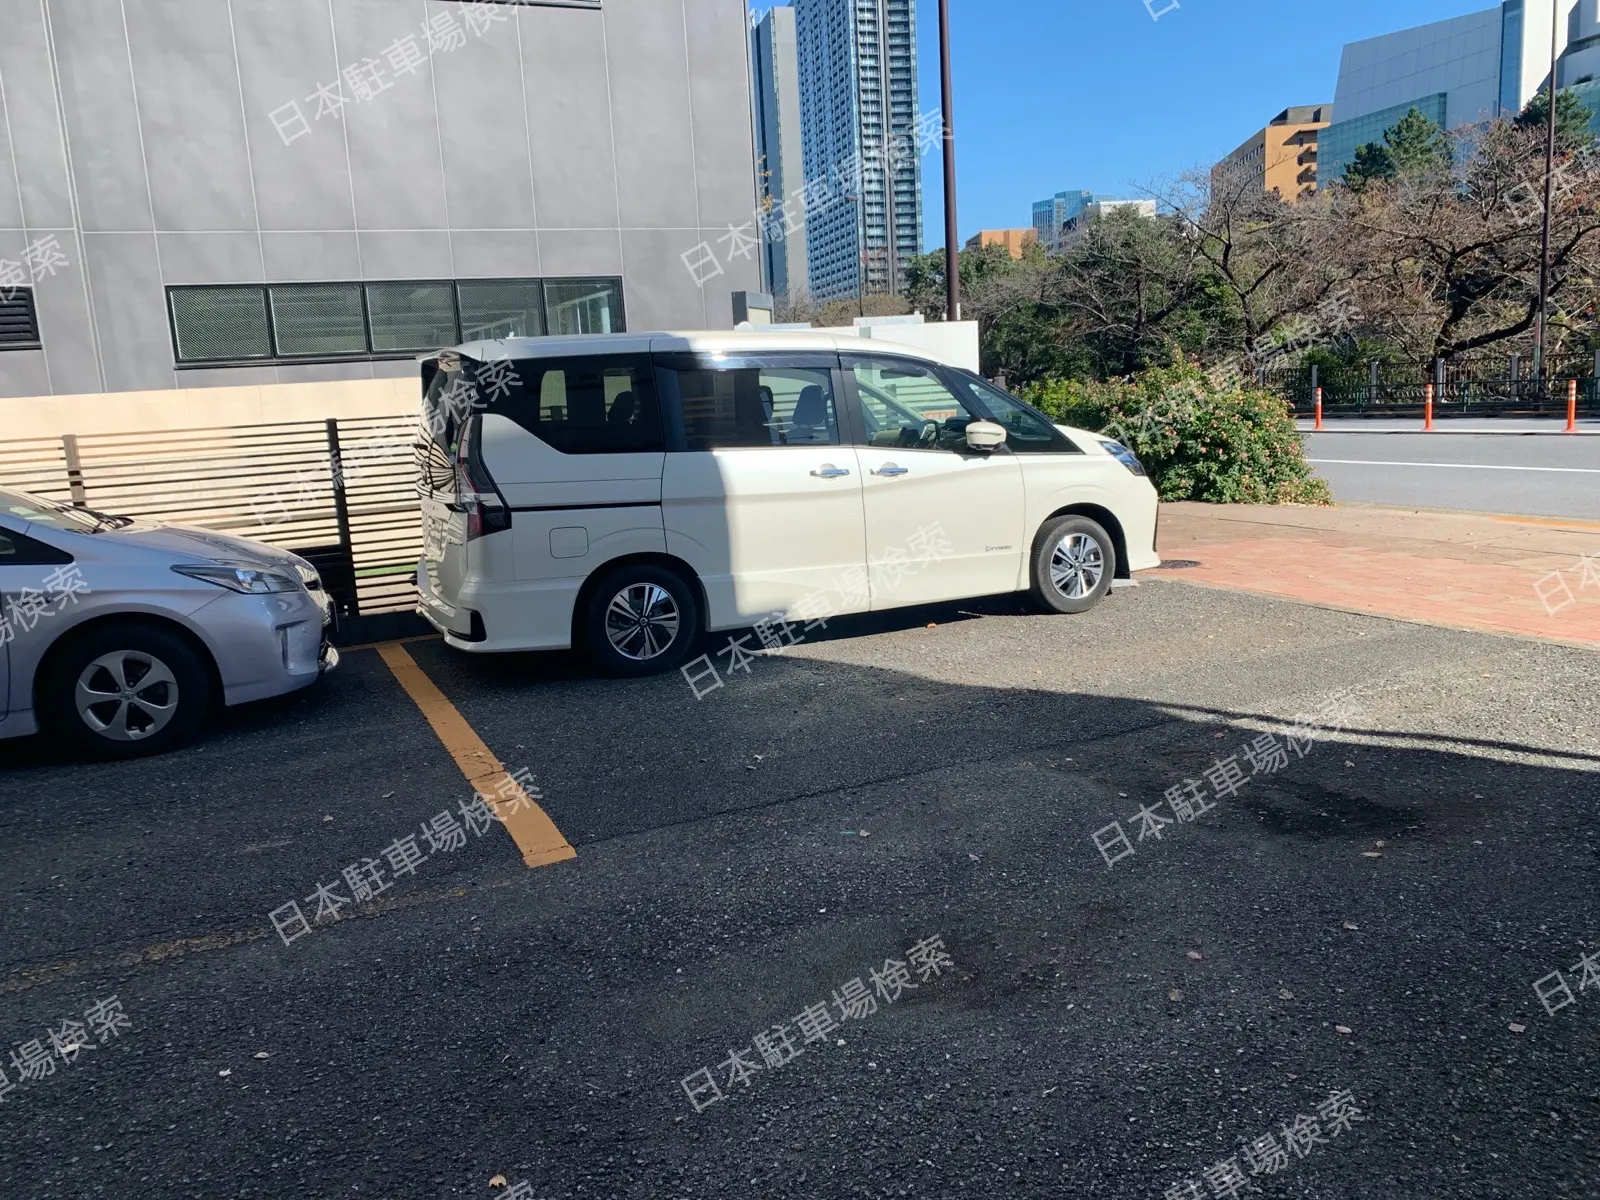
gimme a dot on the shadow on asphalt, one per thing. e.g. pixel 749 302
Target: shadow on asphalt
pixel 1410 894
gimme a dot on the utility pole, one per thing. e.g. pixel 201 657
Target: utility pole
pixel 1541 323
pixel 952 259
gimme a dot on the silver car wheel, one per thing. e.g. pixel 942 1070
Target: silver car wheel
pixel 642 621
pixel 126 695
pixel 1077 565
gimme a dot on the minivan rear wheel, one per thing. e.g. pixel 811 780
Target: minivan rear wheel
pixel 125 689
pixel 641 620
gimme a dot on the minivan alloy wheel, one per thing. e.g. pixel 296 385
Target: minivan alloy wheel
pixel 642 621
pixel 126 695
pixel 1077 566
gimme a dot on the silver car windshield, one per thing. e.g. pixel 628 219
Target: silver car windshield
pixel 51 513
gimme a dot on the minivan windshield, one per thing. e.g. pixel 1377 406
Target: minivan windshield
pixel 54 514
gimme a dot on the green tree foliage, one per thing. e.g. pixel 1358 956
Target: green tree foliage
pixel 1200 439
pixel 1573 119
pixel 1372 163
pixel 1416 145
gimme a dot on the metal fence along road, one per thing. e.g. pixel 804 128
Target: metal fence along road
pixel 340 492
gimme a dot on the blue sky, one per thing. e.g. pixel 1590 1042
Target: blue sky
pixel 1058 94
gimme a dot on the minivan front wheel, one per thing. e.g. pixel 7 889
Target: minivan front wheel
pixel 1074 560
pixel 641 620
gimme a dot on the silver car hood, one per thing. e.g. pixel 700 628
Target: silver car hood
pixel 202 544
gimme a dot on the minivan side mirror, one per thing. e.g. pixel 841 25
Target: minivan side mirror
pixel 985 436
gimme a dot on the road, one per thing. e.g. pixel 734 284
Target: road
pixel 1510 470
pixel 1368 919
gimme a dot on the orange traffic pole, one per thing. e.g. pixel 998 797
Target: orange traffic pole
pixel 1319 408
pixel 1427 407
pixel 1572 406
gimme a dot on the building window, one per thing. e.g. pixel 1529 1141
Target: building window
pixel 19 322
pixel 241 324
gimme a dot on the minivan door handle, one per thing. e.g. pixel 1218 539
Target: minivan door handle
pixel 891 469
pixel 829 471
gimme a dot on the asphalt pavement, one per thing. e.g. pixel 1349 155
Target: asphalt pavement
pixel 1521 466
pixel 1351 937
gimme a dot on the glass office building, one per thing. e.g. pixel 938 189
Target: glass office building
pixel 1460 71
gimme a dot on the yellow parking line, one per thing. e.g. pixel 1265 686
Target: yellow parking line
pixel 534 832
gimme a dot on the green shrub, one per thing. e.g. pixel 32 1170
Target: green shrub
pixel 1200 438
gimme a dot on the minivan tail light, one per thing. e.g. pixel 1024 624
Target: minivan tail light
pixel 480 499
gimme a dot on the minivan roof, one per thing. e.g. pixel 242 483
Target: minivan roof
pixel 706 341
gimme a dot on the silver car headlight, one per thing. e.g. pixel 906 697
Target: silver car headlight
pixel 240 577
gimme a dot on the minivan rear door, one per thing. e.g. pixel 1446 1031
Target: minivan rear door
pixel 447 406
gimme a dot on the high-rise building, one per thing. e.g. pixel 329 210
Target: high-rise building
pixel 1462 71
pixel 859 128
pixel 1050 216
pixel 780 167
pixel 1282 157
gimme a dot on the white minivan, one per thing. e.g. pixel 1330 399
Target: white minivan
pixel 628 492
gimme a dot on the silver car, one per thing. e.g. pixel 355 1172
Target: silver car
pixel 118 637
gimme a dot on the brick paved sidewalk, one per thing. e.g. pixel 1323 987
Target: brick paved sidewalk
pixel 1530 576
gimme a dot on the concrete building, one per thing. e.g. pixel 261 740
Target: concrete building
pixel 1050 216
pixel 1015 241
pixel 212 193
pixel 859 132
pixel 780 164
pixel 1461 71
pixel 1282 157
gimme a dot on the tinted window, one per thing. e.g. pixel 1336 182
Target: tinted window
pixel 318 319
pixel 501 308
pixel 577 405
pixel 19 551
pixel 1026 430
pixel 907 405
pixel 742 406
pixel 412 316
pixel 583 305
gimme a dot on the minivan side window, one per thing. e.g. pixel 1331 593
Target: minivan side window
pixel 736 406
pixel 1026 431
pixel 591 405
pixel 907 406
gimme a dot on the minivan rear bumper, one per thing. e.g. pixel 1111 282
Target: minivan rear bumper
pixel 505 617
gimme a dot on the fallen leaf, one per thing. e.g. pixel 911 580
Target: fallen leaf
pixel 262 1054
pixel 1348 925
pixel 498 1181
pixel 1175 994
pixel 1515 1028
pixel 1371 854
pixel 1196 955
pixel 1344 1029
pixel 1285 994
